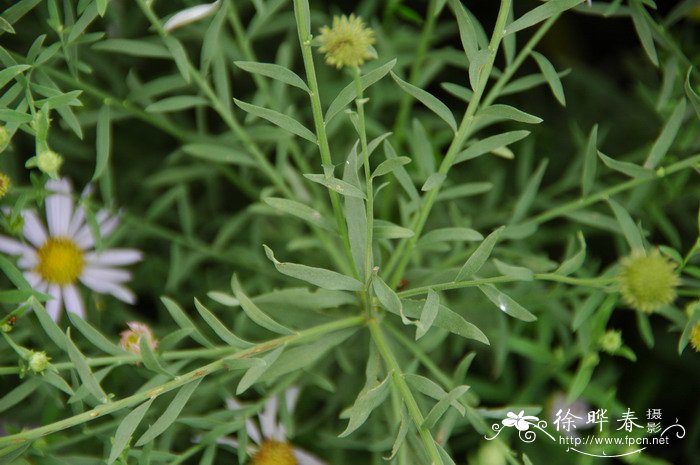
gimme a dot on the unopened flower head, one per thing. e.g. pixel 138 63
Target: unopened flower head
pixel 611 341
pixel 56 258
pixel 47 161
pixel 38 361
pixel 348 42
pixel 131 338
pixel 695 337
pixel 5 184
pixel 647 282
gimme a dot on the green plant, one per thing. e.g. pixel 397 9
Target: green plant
pixel 444 271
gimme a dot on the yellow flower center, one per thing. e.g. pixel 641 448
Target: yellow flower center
pixel 60 261
pixel 274 453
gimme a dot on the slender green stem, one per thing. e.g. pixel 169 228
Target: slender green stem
pixel 522 55
pixel 320 125
pixel 404 251
pixel 360 102
pixel 224 112
pixel 179 381
pixel 577 204
pixel 229 118
pixel 592 282
pixel 410 401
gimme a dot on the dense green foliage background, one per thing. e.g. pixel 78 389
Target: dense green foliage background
pixel 187 177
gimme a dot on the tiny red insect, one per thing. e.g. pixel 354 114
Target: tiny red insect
pixel 12 320
pixel 403 283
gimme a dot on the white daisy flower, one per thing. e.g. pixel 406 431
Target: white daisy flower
pixel 272 446
pixel 54 261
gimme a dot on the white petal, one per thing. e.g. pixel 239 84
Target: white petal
pixel 107 224
pixel 53 306
pixel 106 287
pixel 228 442
pixel 253 431
pixel 73 300
pixel 32 278
pixel 112 275
pixel 233 404
pixel 77 222
pixel 268 418
pixel 114 257
pixel 28 261
pixel 291 396
pixel 305 458
pixel 191 15
pixel 13 247
pixel 510 422
pixel 59 207
pixel 33 229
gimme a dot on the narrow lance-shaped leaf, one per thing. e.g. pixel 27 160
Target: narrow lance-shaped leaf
pixel 691 94
pixel 103 141
pixel 467 34
pixel 219 328
pixel 253 374
pixel 255 313
pixel 643 30
pixel 94 336
pixel 429 100
pixel 181 318
pixel 81 366
pixel 320 277
pixel 279 119
pixel 366 402
pixel 629 228
pixel 388 298
pixel 625 167
pixel 299 210
pixel 574 262
pixel 516 272
pixel 428 314
pixel 663 143
pixel 274 71
pixel 551 76
pixel 511 113
pixel 477 259
pixel 490 144
pixel 337 185
pixel 170 414
pixel 349 92
pixel 387 166
pixel 589 162
pixel 506 304
pixel 528 195
pixel 476 66
pixel 126 429
pixel 541 13
pixel 443 404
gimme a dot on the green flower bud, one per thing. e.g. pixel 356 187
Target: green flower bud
pixel 611 341
pixel 647 282
pixel 47 161
pixel 38 361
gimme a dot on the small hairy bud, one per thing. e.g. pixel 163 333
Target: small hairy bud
pixel 38 361
pixel 47 161
pixel 647 282
pixel 348 42
pixel 611 341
